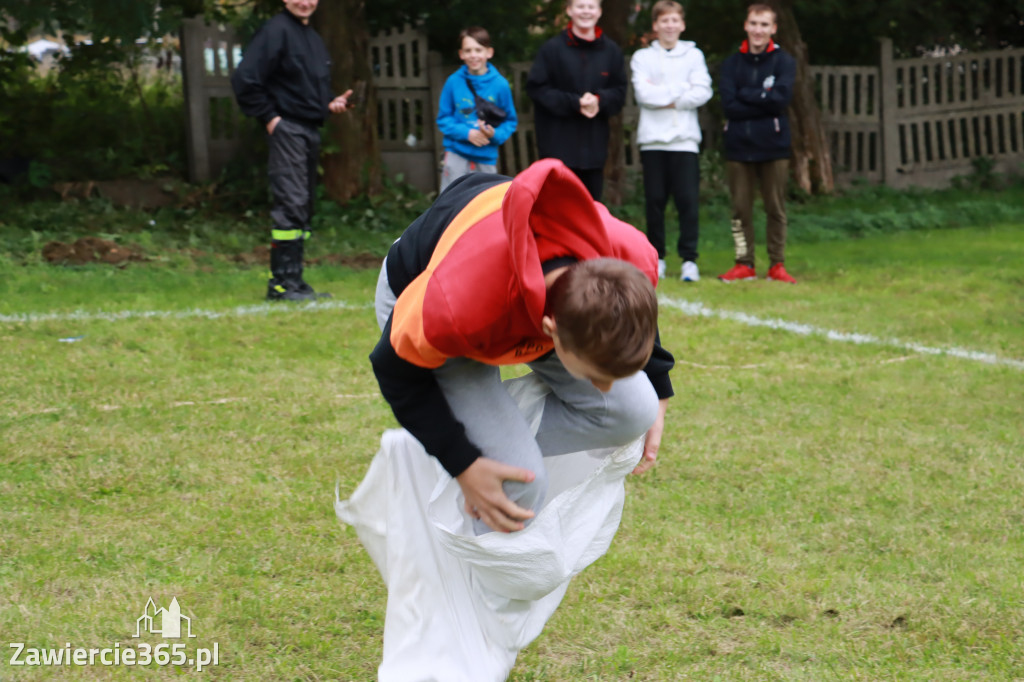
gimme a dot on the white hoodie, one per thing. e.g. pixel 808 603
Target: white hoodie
pixel 669 86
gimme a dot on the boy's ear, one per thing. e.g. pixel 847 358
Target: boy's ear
pixel 548 326
pixel 490 53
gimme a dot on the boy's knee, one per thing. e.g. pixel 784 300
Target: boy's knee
pixel 529 495
pixel 633 411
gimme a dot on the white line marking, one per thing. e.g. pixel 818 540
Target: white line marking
pixel 698 309
pixel 695 309
pixel 240 311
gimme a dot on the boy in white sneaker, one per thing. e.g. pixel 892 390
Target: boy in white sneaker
pixel 670 80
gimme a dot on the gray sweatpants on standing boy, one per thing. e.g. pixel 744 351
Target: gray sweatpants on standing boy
pixel 576 415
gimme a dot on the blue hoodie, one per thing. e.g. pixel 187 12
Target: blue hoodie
pixel 456 113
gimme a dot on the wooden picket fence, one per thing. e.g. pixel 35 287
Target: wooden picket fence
pixel 905 122
pixel 925 120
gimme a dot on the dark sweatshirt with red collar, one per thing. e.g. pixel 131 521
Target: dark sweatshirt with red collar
pixel 756 89
pixel 565 68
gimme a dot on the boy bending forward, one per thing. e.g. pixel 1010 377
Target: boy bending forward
pixel 528 270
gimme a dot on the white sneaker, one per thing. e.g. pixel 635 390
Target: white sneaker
pixel 661 268
pixel 690 272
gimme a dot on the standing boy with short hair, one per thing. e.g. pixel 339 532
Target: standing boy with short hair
pixel 470 142
pixel 670 80
pixel 756 85
pixel 578 82
pixel 284 81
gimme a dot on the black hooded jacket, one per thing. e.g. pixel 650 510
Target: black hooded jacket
pixel 285 71
pixel 565 68
pixel 756 90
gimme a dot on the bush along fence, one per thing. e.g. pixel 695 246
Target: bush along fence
pixel 905 122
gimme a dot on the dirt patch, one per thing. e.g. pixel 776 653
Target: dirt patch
pixel 356 261
pixel 260 255
pixel 135 193
pixel 90 250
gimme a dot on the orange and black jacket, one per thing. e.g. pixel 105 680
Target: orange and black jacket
pixel 469 278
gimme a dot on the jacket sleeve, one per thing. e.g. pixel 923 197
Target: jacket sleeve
pixel 774 100
pixel 733 107
pixel 758 101
pixel 613 97
pixel 697 86
pixel 546 94
pixel 249 81
pixel 449 121
pixel 649 95
pixel 657 370
pixel 420 407
pixel 509 125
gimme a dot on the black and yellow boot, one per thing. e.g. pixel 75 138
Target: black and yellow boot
pixel 303 287
pixel 285 282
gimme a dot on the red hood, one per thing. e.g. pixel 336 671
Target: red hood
pixel 548 213
pixel 498 243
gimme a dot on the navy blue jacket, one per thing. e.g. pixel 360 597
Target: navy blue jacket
pixel 566 67
pixel 755 91
pixel 285 71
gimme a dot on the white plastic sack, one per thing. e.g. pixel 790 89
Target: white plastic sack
pixel 461 606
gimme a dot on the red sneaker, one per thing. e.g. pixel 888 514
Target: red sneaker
pixel 777 273
pixel 738 272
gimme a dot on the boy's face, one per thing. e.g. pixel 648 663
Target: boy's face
pixel 577 365
pixel 584 14
pixel 760 28
pixel 302 9
pixel 668 26
pixel 475 56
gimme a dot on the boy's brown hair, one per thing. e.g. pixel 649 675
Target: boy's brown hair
pixel 666 7
pixel 477 33
pixel 760 7
pixel 606 312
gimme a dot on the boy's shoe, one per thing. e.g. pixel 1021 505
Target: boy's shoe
pixel 777 273
pixel 661 268
pixel 304 288
pixel 738 273
pixel 691 273
pixel 287 290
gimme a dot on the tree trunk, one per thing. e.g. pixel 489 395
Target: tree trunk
pixel 812 158
pixel 615 24
pixel 351 158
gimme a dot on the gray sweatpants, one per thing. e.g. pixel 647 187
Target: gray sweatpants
pixel 576 415
pixel 455 166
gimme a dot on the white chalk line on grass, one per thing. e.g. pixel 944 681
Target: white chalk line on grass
pixel 693 308
pixel 697 309
pixel 240 311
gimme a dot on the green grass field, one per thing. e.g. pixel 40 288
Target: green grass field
pixel 825 507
